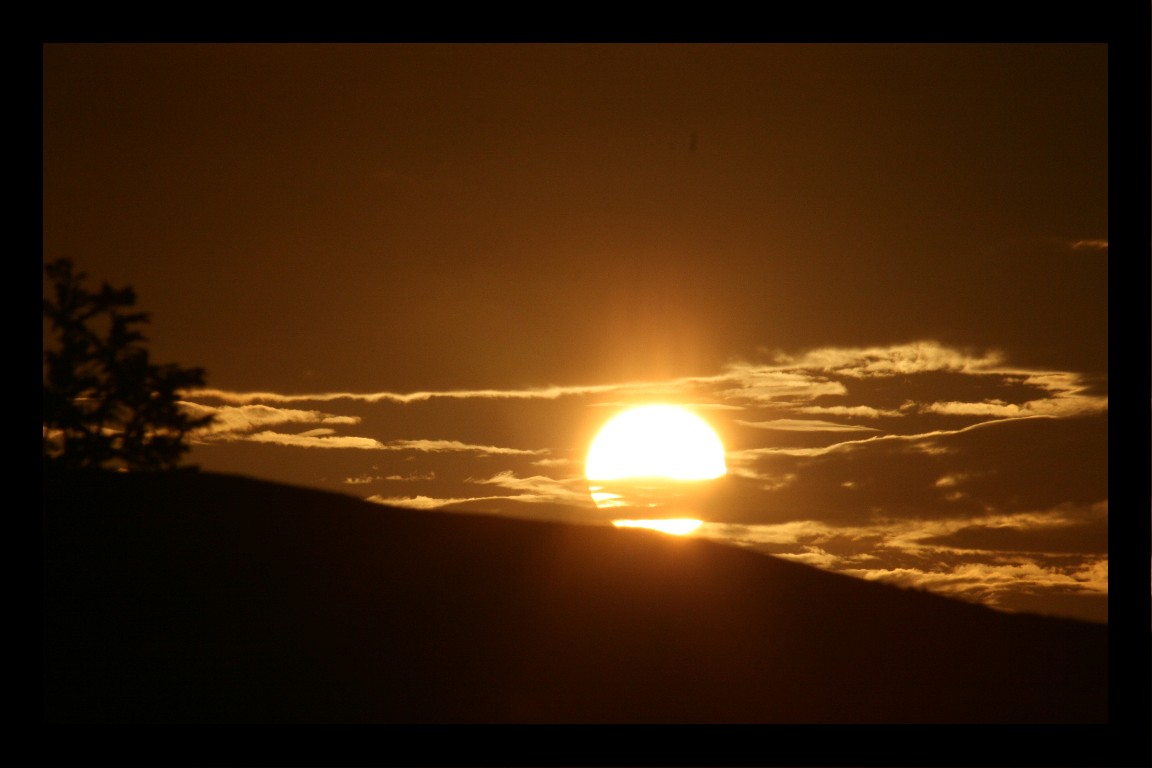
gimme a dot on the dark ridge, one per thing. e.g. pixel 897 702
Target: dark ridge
pixel 204 598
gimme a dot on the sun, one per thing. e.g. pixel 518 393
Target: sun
pixel 656 441
pixel 677 526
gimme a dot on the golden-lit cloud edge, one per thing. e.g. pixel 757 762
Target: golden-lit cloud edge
pixel 1092 245
pixel 324 438
pixel 788 381
pixel 540 488
pixel 535 489
pixel 795 394
pixel 930 558
pixel 753 453
pixel 778 390
pixel 805 425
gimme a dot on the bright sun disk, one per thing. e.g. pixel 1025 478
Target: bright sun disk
pixel 677 526
pixel 664 441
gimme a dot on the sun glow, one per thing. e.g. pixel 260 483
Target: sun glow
pixel 679 526
pixel 663 441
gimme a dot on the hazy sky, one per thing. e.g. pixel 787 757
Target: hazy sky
pixel 426 275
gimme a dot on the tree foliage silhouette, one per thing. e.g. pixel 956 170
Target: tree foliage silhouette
pixel 106 404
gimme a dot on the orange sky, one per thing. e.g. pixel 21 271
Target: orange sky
pixel 880 271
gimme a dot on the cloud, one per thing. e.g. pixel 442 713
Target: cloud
pixel 419 502
pixel 673 391
pixel 923 464
pixel 1083 539
pixel 1091 245
pixel 765 481
pixel 951 480
pixel 865 411
pixel 480 504
pixel 1064 397
pixel 891 553
pixel 805 425
pixel 310 440
pixel 1067 528
pixel 996 408
pixel 377 397
pixel 793 383
pixel 928 539
pixel 1093 575
pixel 962 475
pixel 249 417
pixel 532 393
pixel 748 454
pixel 541 489
pixel 555 462
pixel 768 384
pixel 992 583
pixel 323 432
pixel 900 359
pixel 442 446
pixel 411 477
pixel 324 437
pixel 781 533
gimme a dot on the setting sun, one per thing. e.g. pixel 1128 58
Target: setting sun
pixel 677 526
pixel 664 441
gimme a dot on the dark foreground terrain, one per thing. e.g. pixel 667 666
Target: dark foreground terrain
pixel 205 598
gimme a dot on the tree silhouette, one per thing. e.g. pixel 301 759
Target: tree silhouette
pixel 106 405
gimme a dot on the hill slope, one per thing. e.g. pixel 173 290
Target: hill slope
pixel 211 598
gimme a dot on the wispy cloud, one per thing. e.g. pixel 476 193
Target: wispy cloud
pixel 1066 528
pixel 806 425
pixel 312 440
pixel 326 438
pixel 531 393
pixel 900 359
pixel 859 411
pixel 423 502
pixel 765 481
pixel 770 384
pixel 249 417
pixel 997 408
pixel 750 453
pixel 559 462
pixel 1055 408
pixel 793 383
pixel 412 477
pixel 979 560
pixel 991 583
pixel 919 463
pixel 450 446
pixel 789 382
pixel 1092 245
pixel 539 488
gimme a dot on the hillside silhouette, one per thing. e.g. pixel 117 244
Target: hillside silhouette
pixel 209 598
